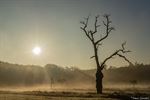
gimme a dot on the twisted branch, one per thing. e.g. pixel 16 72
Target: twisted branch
pixel 122 50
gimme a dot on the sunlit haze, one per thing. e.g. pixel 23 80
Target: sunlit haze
pixel 55 26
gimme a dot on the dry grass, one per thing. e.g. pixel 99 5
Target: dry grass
pixel 66 95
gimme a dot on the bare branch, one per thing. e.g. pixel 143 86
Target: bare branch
pixel 103 63
pixel 111 29
pixel 92 57
pixel 108 28
pixel 87 20
pixel 123 45
pixel 104 23
pixel 95 24
pixel 98 45
pixel 106 15
pixel 85 31
pixel 85 23
pixel 125 58
pixel 122 50
pixel 82 23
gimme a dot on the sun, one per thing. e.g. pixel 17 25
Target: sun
pixel 36 50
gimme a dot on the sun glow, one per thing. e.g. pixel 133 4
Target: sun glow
pixel 36 50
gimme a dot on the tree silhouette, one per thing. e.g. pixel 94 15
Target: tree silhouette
pixel 91 35
pixel 133 82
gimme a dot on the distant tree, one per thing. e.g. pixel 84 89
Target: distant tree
pixel 133 82
pixel 52 82
pixel 96 42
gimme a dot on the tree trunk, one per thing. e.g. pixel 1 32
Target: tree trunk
pixel 99 84
pixel 99 74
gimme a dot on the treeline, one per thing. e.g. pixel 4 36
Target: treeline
pixel 137 72
pixel 27 75
pixel 125 75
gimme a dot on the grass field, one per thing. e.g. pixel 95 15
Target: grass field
pixel 66 95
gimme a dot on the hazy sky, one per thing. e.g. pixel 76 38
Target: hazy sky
pixel 54 25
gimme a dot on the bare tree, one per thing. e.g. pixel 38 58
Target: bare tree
pixel 91 34
pixel 134 82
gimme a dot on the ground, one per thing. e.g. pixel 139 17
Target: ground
pixel 66 95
